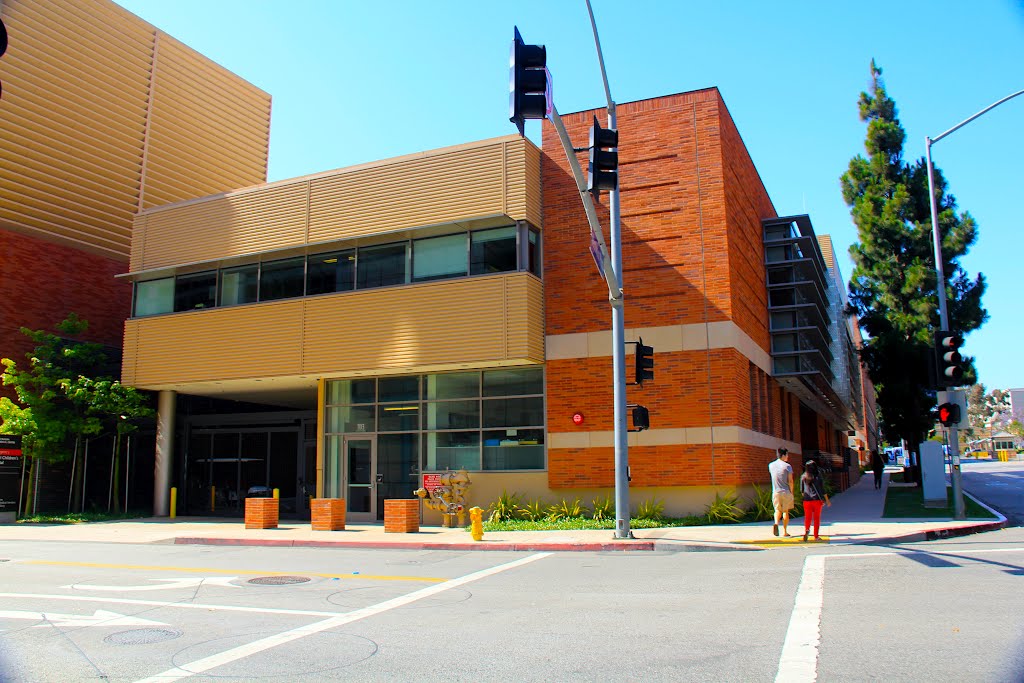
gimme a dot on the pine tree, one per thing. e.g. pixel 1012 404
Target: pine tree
pixel 893 286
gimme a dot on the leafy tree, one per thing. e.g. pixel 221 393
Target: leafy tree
pixel 59 402
pixel 893 285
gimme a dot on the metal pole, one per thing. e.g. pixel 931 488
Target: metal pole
pixel 622 529
pixel 959 510
pixel 85 474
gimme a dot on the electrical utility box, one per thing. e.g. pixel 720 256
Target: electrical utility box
pixel 933 474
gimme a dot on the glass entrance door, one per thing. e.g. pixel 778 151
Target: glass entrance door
pixel 360 473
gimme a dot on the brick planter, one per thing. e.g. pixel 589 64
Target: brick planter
pixel 401 516
pixel 261 513
pixel 328 514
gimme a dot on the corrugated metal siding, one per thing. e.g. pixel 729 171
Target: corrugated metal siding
pixel 427 190
pixel 76 88
pixel 73 120
pixel 209 130
pixel 262 220
pixel 478 321
pixel 227 343
pixel 445 186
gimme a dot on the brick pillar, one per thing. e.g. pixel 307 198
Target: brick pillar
pixel 261 513
pixel 328 514
pixel 402 516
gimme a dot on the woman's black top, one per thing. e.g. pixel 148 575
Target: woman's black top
pixel 813 489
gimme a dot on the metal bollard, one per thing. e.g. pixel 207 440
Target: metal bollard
pixel 277 493
pixel 174 502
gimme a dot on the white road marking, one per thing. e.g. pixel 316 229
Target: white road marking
pixel 799 660
pixel 99 618
pixel 168 583
pixel 178 605
pixel 242 651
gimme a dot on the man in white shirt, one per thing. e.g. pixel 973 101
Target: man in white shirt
pixel 782 490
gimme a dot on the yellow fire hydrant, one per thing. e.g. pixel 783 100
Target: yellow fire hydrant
pixel 476 523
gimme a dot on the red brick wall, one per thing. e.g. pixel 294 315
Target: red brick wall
pixel 691 207
pixel 41 282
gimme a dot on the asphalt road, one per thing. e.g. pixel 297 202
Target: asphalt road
pixel 999 484
pixel 950 610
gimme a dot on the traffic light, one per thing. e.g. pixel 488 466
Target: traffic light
pixel 644 362
pixel 948 414
pixel 528 82
pixel 3 46
pixel 603 169
pixel 641 419
pixel 948 361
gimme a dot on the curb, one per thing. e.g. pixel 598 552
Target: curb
pixel 620 546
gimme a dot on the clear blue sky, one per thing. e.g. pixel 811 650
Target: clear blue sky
pixel 358 81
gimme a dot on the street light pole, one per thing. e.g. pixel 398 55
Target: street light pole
pixel 959 510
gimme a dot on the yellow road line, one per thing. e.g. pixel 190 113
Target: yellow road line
pixel 212 570
pixel 781 541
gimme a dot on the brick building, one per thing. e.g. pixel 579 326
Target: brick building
pixel 96 128
pixel 442 310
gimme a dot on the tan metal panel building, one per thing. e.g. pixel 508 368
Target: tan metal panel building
pixel 96 128
pixel 474 182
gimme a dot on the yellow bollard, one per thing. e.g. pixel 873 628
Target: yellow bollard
pixel 213 497
pixel 476 528
pixel 277 493
pixel 174 502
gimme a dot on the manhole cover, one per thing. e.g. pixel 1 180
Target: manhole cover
pixel 278 580
pixel 142 636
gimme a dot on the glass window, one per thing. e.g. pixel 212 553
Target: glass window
pixel 514 449
pixel 453 450
pixel 493 251
pixel 453 415
pixel 333 467
pixel 198 290
pixel 398 389
pixel 514 383
pixel 282 279
pixel 350 419
pixel 239 285
pixel 454 385
pixel 533 253
pixel 381 266
pixel 333 272
pixel 154 296
pixel 513 412
pixel 346 391
pixel 403 417
pixel 439 257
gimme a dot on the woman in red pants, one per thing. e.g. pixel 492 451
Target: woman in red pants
pixel 813 489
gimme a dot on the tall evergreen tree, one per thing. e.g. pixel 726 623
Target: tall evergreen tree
pixel 893 286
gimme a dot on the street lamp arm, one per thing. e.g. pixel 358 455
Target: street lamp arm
pixel 968 120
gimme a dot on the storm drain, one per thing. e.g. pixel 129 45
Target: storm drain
pixel 278 580
pixel 142 636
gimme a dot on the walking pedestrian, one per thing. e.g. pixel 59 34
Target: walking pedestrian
pixel 782 490
pixel 878 467
pixel 813 489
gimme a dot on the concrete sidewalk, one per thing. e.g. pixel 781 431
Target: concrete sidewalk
pixel 855 517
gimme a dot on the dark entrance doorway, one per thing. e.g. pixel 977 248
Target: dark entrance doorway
pixel 226 455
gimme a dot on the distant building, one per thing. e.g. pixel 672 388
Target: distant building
pixel 1017 404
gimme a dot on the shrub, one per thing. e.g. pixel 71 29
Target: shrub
pixel 534 510
pixel 564 509
pixel 604 508
pixel 652 509
pixel 761 507
pixel 724 509
pixel 505 508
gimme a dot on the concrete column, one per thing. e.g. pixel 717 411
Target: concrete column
pixel 164 457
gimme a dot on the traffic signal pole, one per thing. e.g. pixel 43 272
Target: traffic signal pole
pixel 618 328
pixel 959 510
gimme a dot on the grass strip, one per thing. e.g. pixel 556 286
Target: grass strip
pixel 908 501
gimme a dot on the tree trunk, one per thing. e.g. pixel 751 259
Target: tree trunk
pixel 117 473
pixel 28 498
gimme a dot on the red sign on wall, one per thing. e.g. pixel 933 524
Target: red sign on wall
pixel 431 482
